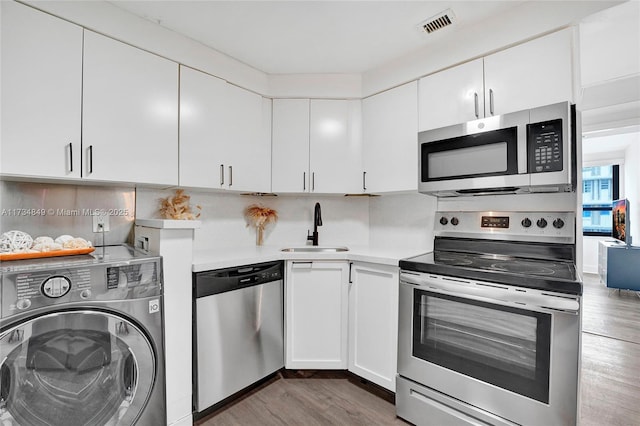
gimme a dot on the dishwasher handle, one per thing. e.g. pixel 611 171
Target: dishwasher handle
pixel 218 281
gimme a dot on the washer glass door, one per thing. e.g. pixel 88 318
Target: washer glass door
pixel 75 368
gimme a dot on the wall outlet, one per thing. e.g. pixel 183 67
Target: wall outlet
pixel 101 222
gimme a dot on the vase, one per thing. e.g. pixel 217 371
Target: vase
pixel 259 235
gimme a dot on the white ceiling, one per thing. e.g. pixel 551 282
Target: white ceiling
pixel 297 37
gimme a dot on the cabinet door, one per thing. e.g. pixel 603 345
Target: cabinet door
pixel 290 151
pixel 451 96
pixel 390 140
pixel 373 323
pixel 130 113
pixel 532 74
pixel 316 315
pixel 202 129
pixel 249 152
pixel 41 94
pixel 336 146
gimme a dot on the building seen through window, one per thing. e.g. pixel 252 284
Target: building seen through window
pixel 600 186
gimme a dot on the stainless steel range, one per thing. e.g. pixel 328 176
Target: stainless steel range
pixel 489 327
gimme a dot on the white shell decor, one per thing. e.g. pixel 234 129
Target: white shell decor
pixel 15 241
pixel 63 239
pixel 21 242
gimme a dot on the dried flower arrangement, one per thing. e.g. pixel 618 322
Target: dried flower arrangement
pixel 259 217
pixel 177 207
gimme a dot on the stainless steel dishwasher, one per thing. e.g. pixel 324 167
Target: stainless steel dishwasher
pixel 238 330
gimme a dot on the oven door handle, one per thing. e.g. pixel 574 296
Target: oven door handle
pixel 499 294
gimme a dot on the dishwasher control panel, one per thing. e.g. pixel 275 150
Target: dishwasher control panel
pixel 222 280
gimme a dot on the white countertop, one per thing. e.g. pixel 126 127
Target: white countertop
pixel 207 260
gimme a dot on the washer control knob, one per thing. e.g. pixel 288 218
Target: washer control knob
pixel 454 221
pixel 443 220
pixel 558 223
pixel 542 223
pixel 526 222
pixel 85 294
pixel 23 303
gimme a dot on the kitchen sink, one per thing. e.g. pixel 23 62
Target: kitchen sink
pixel 315 249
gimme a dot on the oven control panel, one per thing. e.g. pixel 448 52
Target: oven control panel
pixel 526 226
pixel 495 222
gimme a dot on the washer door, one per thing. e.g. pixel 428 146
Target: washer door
pixel 75 368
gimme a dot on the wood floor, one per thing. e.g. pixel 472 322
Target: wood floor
pixel 610 379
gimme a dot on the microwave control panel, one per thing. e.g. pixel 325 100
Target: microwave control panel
pixel 545 146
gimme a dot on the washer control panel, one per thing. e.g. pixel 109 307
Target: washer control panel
pixel 56 286
pixel 26 290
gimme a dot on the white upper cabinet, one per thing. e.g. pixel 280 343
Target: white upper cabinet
pixel 41 94
pixel 532 74
pixel 290 151
pixel 248 143
pixel 317 146
pixel 225 135
pixel 202 129
pixel 390 141
pixel 130 114
pixel 452 96
pixel 335 141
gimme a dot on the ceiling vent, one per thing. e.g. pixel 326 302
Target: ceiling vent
pixel 437 22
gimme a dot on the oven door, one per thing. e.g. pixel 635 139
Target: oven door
pixel 486 155
pixel 507 351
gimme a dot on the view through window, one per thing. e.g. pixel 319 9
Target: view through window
pixel 600 186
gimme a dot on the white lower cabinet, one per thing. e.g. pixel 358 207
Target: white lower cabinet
pixel 373 323
pixel 342 316
pixel 316 299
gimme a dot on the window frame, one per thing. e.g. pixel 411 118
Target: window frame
pixel 615 191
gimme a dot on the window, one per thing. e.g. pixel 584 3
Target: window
pixel 600 187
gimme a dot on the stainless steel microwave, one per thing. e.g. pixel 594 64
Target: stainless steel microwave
pixel 526 151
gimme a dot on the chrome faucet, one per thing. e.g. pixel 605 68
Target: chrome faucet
pixel 317 221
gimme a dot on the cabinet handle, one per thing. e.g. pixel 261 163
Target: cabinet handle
pixel 70 157
pixel 221 174
pixel 350 267
pixel 491 101
pixel 304 181
pixel 364 181
pixel 313 181
pixel 475 95
pixel 90 159
pixel 230 175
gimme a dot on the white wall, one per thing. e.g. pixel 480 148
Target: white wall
pixel 345 219
pixel 525 21
pixel 610 44
pixel 389 221
pixel 610 68
pixel 622 148
pixel 402 220
pixel 632 184
pixel 108 19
